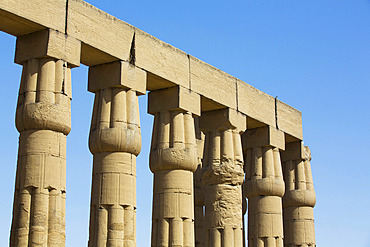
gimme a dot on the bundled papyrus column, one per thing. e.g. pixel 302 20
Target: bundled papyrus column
pixel 264 186
pixel 223 176
pixel 299 198
pixel 173 160
pixel 115 142
pixel 43 119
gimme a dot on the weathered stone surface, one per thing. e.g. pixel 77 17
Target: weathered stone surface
pixel 117 74
pixel 212 83
pixel 26 16
pixel 264 136
pixel 289 120
pixel 176 98
pixel 48 43
pixel 222 176
pixel 100 30
pixel 161 59
pixel 223 221
pixel 255 104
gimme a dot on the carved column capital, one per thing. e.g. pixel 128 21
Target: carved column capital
pixel 223 156
pixel 173 141
pixel 298 176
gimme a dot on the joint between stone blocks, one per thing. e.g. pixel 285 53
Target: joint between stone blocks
pixel 174 98
pixel 48 43
pixel 117 74
pixel 264 136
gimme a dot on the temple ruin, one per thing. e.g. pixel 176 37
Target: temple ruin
pixel 221 149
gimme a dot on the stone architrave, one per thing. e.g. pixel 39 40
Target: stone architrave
pixel 299 198
pixel 43 119
pixel 223 176
pixel 199 189
pixel 173 160
pixel 264 186
pixel 115 142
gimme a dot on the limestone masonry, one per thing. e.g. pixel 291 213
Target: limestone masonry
pixel 220 148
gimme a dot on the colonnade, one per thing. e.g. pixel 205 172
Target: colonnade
pixel 205 163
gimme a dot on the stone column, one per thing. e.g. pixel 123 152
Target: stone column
pixel 173 159
pixel 43 119
pixel 222 177
pixel 199 189
pixel 244 210
pixel 264 186
pixel 299 198
pixel 115 142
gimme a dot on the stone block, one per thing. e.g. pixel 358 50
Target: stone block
pixel 289 120
pixel 175 98
pixel 212 83
pixel 117 74
pixel 223 119
pixel 293 151
pixel 264 136
pixel 168 63
pixel 26 16
pixel 255 104
pixel 48 43
pixel 111 37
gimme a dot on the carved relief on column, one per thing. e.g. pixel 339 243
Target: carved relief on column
pixel 199 189
pixel 264 186
pixel 173 160
pixel 299 198
pixel 43 118
pixel 222 176
pixel 115 142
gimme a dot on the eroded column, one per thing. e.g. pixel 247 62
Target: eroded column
pixel 264 186
pixel 173 159
pixel 115 142
pixel 43 118
pixel 222 177
pixel 299 198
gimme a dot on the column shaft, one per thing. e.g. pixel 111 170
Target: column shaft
pixel 222 177
pixel 264 187
pixel 115 141
pixel 173 159
pixel 43 120
pixel 299 198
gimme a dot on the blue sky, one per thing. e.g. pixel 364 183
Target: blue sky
pixel 314 55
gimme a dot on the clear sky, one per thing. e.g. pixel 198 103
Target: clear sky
pixel 314 55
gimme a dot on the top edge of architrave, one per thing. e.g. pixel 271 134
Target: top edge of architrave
pixel 112 37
